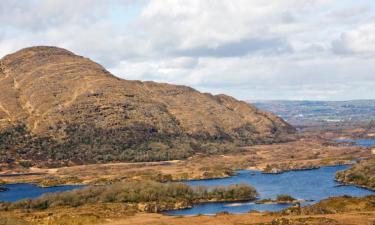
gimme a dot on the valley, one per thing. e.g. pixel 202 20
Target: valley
pixel 305 153
pixel 207 167
pixel 104 150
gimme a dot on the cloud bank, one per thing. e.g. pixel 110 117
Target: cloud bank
pixel 251 49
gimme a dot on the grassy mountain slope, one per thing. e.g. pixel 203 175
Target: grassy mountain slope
pixel 60 108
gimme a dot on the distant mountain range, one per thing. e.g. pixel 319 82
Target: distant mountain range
pixel 300 113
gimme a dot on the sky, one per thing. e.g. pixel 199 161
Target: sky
pixel 250 49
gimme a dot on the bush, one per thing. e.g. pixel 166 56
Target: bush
pixel 234 192
pixel 26 164
pixel 285 198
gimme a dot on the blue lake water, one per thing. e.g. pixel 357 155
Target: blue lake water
pixel 359 142
pixel 312 185
pixel 17 192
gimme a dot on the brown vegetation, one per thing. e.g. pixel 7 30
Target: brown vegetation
pixel 144 196
pixel 57 108
pixel 304 153
pixel 361 174
pixel 335 205
pixel 285 198
pixel 333 211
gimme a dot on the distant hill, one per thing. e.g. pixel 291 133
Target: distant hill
pixel 60 108
pixel 313 112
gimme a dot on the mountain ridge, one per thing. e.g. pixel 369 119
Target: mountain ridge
pixel 64 107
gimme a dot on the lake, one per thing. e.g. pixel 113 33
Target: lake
pixel 312 185
pixel 359 142
pixel 21 191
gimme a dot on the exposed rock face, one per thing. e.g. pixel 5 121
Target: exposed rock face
pixel 59 107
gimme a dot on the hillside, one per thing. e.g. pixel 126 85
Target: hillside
pixel 305 113
pixel 361 174
pixel 57 108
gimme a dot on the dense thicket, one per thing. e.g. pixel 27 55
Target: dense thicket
pixel 137 192
pixel 88 144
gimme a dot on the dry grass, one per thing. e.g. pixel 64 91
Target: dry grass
pixel 292 155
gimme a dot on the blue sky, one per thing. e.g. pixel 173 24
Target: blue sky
pixel 251 49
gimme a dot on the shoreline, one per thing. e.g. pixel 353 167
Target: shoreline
pixel 306 153
pixel 186 180
pixel 342 183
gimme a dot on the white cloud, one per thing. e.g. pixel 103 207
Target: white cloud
pixel 360 41
pixel 252 49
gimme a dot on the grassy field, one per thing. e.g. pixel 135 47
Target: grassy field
pixel 333 211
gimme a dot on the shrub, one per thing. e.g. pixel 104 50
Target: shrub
pixel 234 192
pixel 26 164
pixel 285 198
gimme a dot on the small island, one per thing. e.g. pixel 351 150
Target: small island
pixel 280 199
pixel 137 196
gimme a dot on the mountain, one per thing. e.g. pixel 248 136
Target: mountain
pixel 59 108
pixel 301 113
